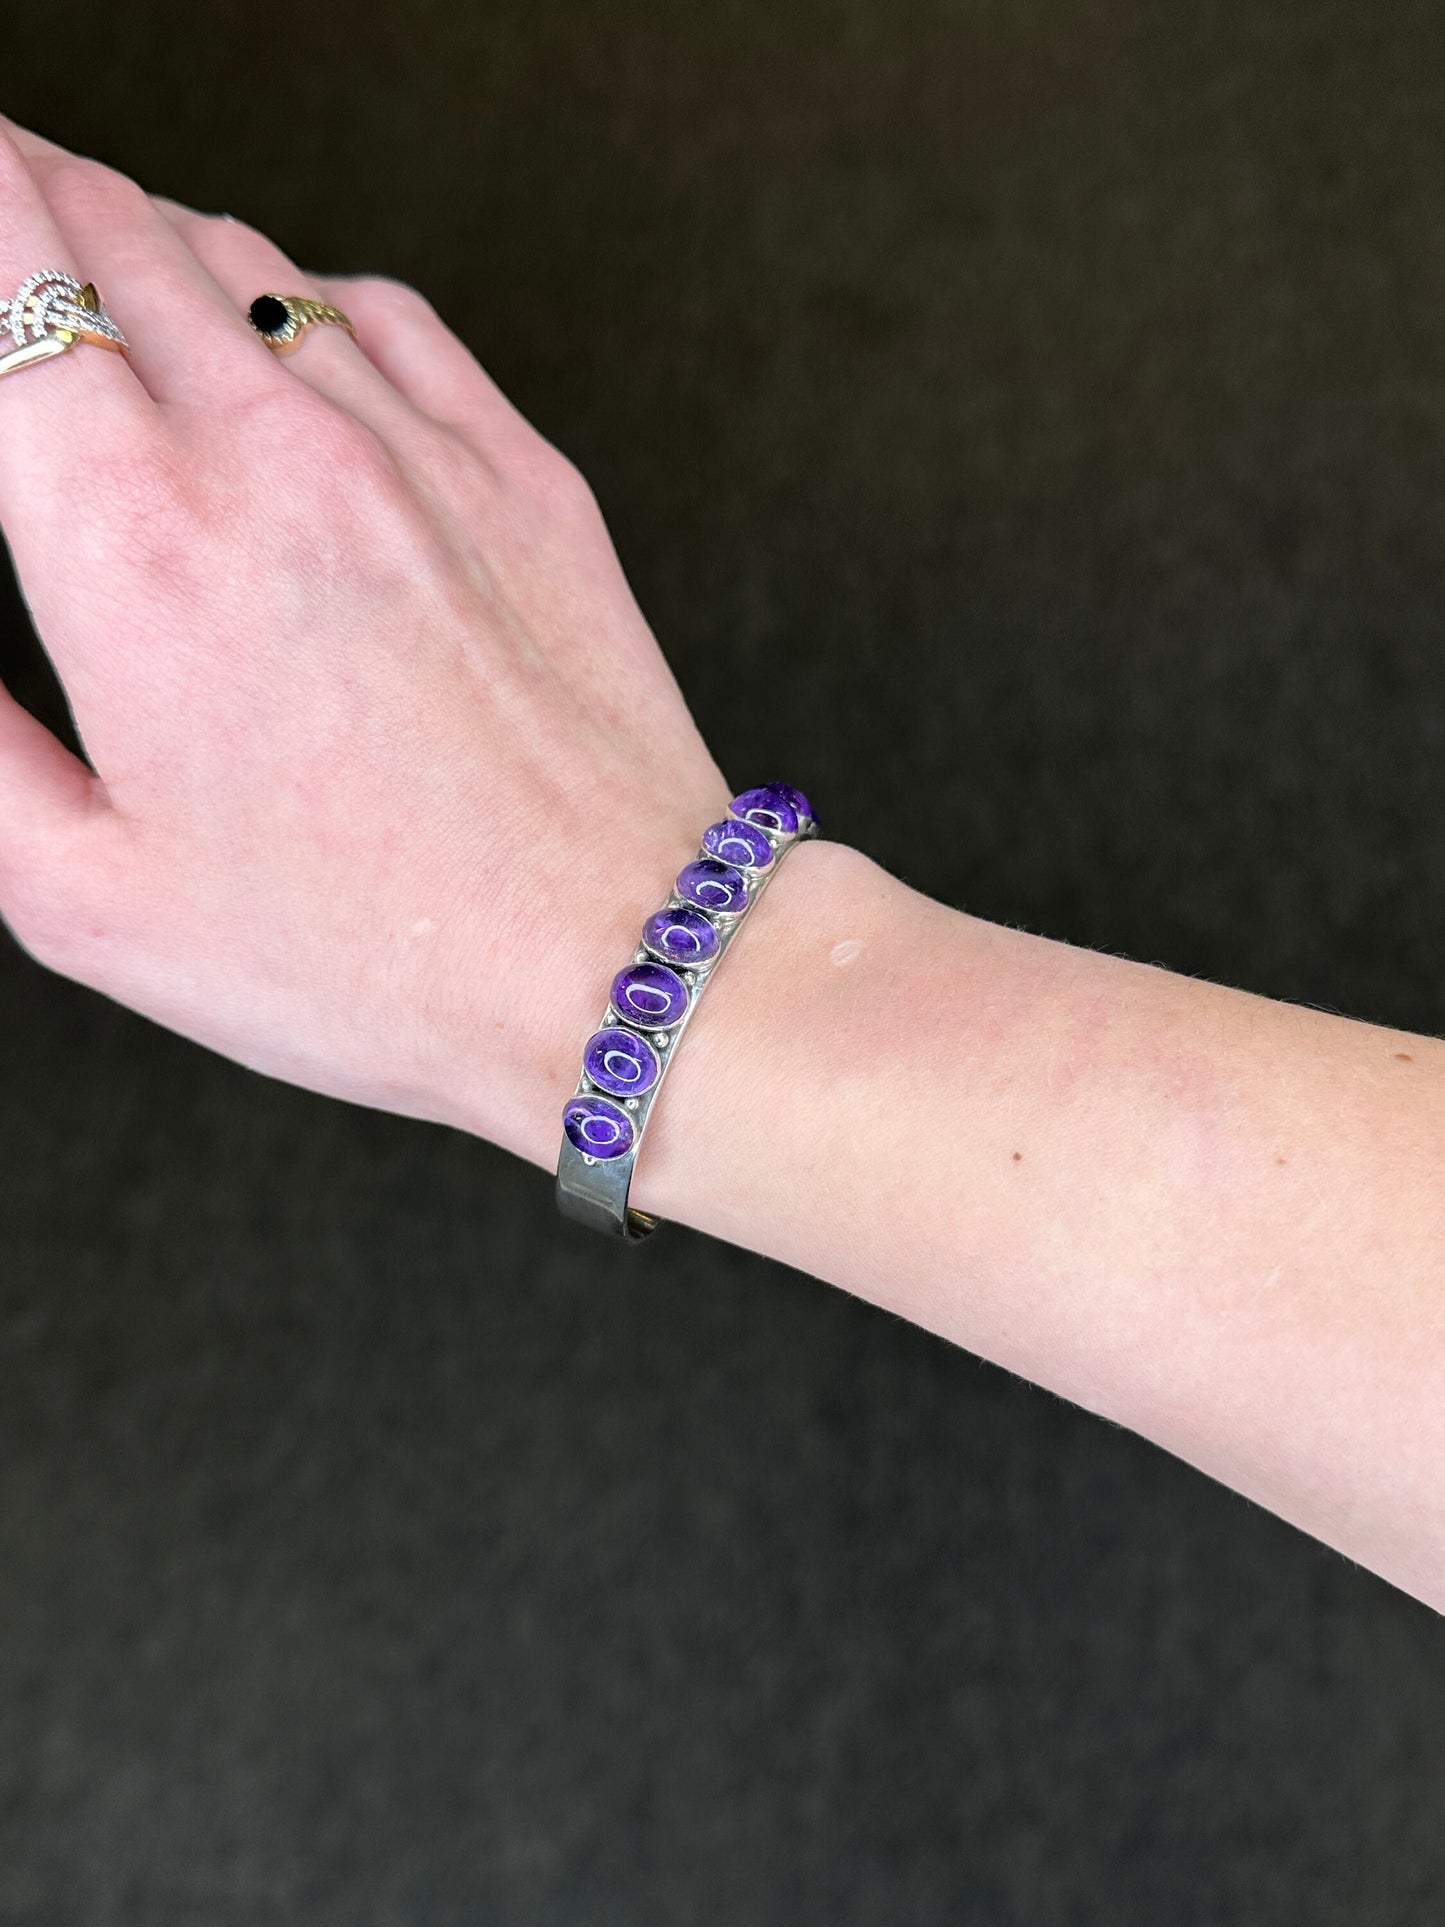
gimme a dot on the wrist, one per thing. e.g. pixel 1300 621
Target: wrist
pixel 739 1138
pixel 518 1001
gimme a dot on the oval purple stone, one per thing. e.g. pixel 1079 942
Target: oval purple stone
pixel 738 842
pixel 713 886
pixel 620 1061
pixel 767 809
pixel 649 994
pixel 598 1127
pixel 794 797
pixel 680 936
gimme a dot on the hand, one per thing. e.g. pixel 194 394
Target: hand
pixel 383 749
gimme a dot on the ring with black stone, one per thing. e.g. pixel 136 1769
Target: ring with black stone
pixel 282 319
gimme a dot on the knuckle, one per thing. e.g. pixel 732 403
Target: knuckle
pixel 352 450
pixel 304 427
pixel 144 529
pixel 361 504
pixel 160 488
pixel 560 487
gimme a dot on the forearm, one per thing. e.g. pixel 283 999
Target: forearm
pixel 1211 1217
pixel 386 865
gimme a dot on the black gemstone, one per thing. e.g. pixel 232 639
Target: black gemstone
pixel 269 316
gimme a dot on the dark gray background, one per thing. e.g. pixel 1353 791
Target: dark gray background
pixel 1023 424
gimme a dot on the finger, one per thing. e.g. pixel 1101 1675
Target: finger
pixel 405 337
pixel 86 397
pixel 188 344
pixel 246 264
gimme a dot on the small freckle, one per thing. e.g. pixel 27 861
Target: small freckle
pixel 846 952
pixel 1403 1057
pixel 1281 1160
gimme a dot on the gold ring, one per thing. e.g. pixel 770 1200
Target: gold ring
pixel 49 313
pixel 282 319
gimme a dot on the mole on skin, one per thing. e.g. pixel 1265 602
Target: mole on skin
pixel 1403 1057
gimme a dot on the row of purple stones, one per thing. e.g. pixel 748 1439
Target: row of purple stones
pixel 619 1062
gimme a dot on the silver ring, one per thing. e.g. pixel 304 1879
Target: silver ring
pixel 48 314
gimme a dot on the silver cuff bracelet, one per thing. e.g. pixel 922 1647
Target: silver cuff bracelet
pixel 653 999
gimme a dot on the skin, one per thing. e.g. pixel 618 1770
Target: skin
pixel 368 705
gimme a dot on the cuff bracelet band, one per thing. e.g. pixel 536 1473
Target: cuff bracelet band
pixel 653 998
